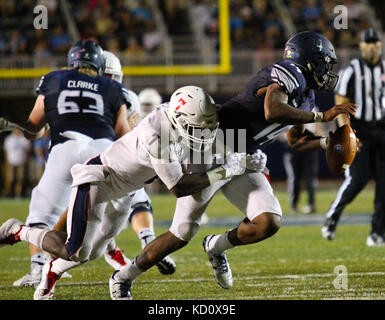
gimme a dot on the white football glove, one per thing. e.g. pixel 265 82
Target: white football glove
pixel 256 162
pixel 235 163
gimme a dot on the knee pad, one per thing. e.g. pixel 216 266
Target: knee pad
pixel 185 230
pixel 140 207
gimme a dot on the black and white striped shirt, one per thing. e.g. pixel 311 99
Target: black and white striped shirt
pixel 364 85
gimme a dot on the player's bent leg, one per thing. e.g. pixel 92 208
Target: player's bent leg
pixel 142 223
pixel 260 228
pixel 121 280
pixel 253 195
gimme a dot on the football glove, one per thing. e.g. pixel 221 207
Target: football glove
pixel 256 162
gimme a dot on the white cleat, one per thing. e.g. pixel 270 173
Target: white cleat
pixel 221 267
pixel 9 232
pixel 328 234
pixel 32 278
pixel 375 240
pixel 116 259
pixel 119 290
pixel 46 288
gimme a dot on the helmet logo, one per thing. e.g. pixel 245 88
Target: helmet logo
pixel 288 54
pixel 319 45
pixel 181 103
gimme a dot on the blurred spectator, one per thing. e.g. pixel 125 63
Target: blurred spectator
pixel 16 148
pixel 152 38
pixel 60 41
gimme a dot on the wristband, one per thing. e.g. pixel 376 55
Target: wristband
pixel 318 116
pixel 322 143
pixel 216 174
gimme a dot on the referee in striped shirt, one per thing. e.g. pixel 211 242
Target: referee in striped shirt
pixel 363 82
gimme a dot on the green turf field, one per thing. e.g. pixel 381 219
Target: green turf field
pixel 297 263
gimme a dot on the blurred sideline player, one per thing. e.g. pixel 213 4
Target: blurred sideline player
pixel 279 95
pixel 363 82
pixel 127 165
pixel 80 107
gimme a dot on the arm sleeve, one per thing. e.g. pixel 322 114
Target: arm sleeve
pixel 345 86
pixel 164 162
pixel 170 172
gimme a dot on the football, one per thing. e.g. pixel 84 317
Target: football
pixel 341 149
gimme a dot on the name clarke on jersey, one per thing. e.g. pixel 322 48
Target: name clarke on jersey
pixel 83 85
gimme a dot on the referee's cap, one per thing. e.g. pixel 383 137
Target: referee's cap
pixel 370 35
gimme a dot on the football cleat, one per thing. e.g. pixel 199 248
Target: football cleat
pixel 32 278
pixel 9 232
pixel 46 288
pixel 166 265
pixel 116 259
pixel 375 240
pixel 221 267
pixel 119 290
pixel 328 230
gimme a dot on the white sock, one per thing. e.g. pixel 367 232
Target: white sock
pixel 219 243
pixel 59 266
pixel 128 272
pixel 146 235
pixel 33 235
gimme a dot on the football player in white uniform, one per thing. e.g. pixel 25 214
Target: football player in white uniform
pixel 156 147
pixel 141 212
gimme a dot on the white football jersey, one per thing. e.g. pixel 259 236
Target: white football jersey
pixel 149 150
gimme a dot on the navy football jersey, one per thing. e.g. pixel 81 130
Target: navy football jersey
pixel 78 102
pixel 246 110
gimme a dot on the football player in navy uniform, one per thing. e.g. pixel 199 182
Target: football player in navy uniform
pixel 279 95
pixel 86 113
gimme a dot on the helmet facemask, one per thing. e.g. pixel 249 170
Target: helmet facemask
pixel 323 77
pixel 198 138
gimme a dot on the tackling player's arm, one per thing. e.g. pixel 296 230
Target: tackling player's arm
pixel 190 184
pixel 36 121
pixel 176 180
pixel 277 109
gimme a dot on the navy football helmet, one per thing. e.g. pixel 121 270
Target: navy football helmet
pixel 314 54
pixel 86 53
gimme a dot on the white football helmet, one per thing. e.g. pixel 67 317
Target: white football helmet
pixel 149 99
pixel 113 66
pixel 193 113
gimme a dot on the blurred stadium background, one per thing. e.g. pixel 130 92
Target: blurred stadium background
pixel 219 45
pixel 166 44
